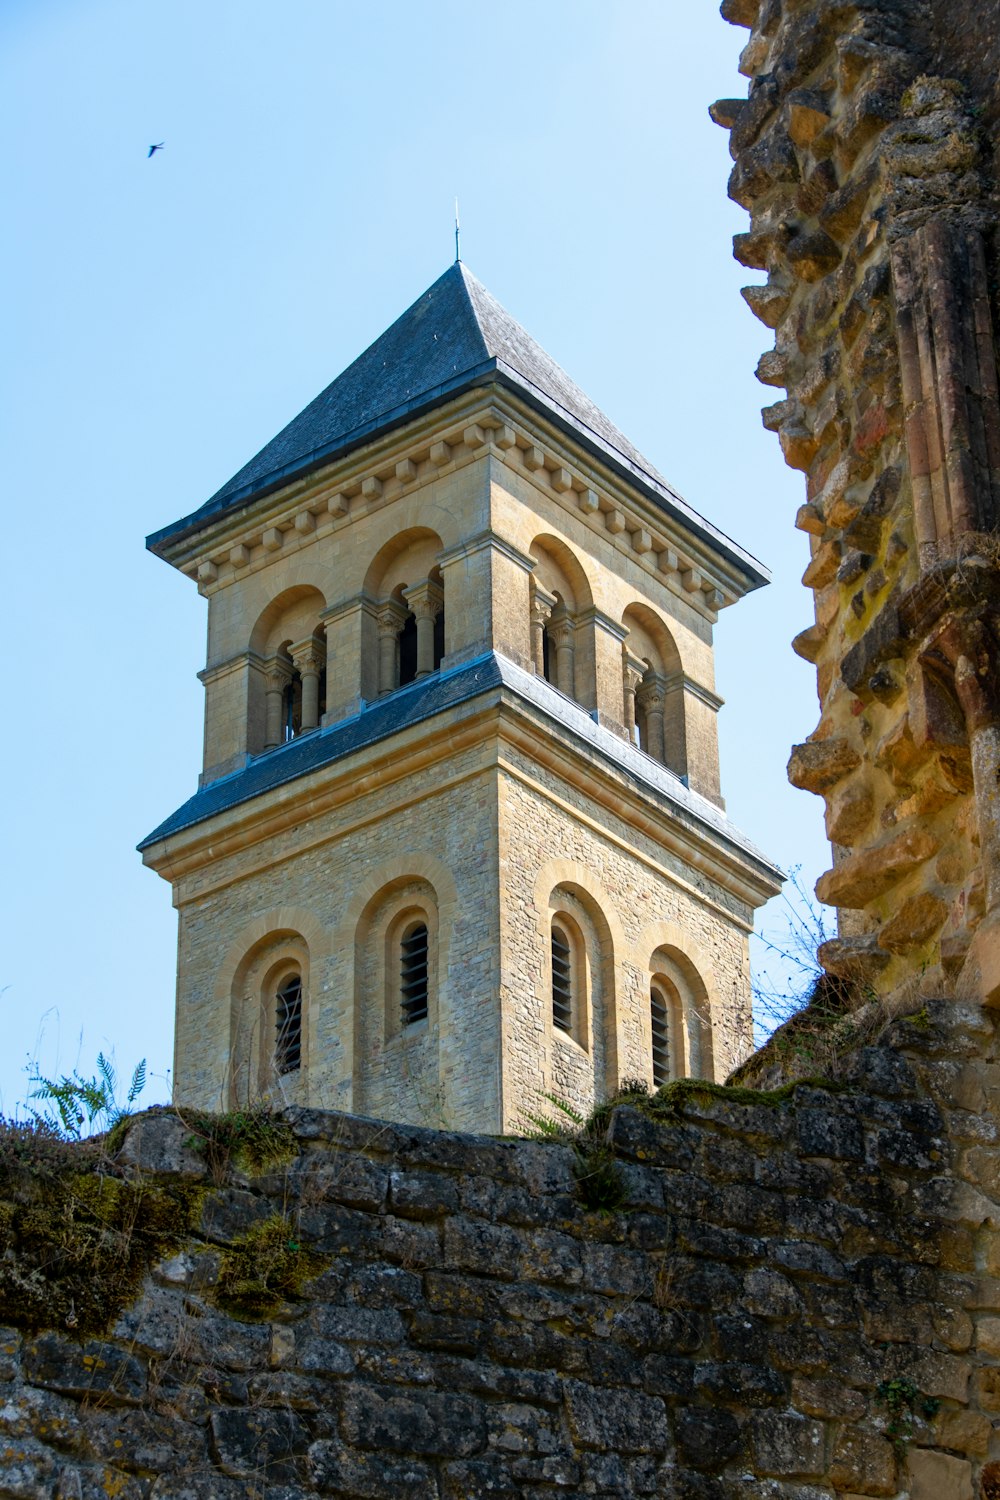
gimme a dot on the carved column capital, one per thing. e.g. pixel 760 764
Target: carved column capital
pixel 390 616
pixel 278 673
pixel 651 694
pixel 309 656
pixel 634 668
pixel 425 599
pixel 542 605
pixel 561 629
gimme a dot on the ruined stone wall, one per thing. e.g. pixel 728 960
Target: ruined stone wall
pixel 866 157
pixel 796 1299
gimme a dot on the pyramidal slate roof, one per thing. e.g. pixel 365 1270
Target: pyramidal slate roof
pixel 455 336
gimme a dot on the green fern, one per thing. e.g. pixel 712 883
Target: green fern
pixel 84 1106
pixel 548 1128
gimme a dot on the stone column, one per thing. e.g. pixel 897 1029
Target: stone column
pixel 391 618
pixel 308 657
pixel 561 636
pixel 542 605
pixel 650 698
pixel 426 600
pixel 277 676
pixel 632 671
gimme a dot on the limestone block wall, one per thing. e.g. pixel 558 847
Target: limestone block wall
pixel 644 914
pixel 862 157
pixel 330 885
pixel 798 1299
pixel 487 858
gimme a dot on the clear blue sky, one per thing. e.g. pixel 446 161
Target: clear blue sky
pixel 165 317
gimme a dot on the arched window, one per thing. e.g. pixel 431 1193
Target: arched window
pixel 413 974
pixel 288 1025
pixel 291 707
pixel 660 1026
pixel 408 651
pixel 562 980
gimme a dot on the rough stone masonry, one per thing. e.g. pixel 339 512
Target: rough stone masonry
pixel 866 154
pixel 796 1299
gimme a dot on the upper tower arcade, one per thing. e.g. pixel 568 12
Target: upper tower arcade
pixel 458 838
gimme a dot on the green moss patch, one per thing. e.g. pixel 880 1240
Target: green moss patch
pixel 269 1265
pixel 77 1236
pixel 254 1140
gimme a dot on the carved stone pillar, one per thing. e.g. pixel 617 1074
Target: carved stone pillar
pixel 308 657
pixel 650 697
pixel 542 605
pixel 632 672
pixel 561 636
pixel 277 675
pixel 391 618
pixel 426 600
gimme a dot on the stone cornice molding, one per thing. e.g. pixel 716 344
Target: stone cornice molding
pixel 505 429
pixel 336 612
pixel 673 680
pixel 479 543
pixel 236 663
pixel 595 616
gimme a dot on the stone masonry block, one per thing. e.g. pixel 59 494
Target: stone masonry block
pixel 622 1421
pixel 786 1446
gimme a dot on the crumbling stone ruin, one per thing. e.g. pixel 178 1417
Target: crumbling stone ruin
pixel 866 156
pixel 713 1292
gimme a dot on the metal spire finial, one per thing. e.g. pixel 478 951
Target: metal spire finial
pixel 458 232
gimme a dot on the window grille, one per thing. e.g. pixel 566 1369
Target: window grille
pixel 413 975
pixel 562 981
pixel 661 1039
pixel 288 1026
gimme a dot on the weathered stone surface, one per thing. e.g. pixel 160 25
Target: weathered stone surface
pixel 933 1475
pixel 622 1421
pixel 421 1422
pixel 705 1436
pixel 261 1444
pixel 820 764
pixel 160 1141
pixel 871 872
pixel 865 1462
pixel 370 1476
pixel 917 919
pixel 786 1446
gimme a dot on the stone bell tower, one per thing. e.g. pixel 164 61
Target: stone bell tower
pixel 458 840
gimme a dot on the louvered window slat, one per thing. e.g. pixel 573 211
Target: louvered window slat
pixel 562 982
pixel 661 1039
pixel 413 975
pixel 288 1026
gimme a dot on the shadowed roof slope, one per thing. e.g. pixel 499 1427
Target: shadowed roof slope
pixel 453 337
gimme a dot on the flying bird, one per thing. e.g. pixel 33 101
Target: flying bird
pixel 155 148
